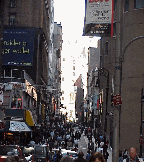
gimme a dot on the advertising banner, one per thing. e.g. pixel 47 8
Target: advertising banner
pixel 98 18
pixel 18 47
pixel 99 11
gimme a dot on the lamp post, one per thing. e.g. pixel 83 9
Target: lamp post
pixel 104 72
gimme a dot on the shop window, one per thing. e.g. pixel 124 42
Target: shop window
pixel 139 4
pixel 7 73
pixel 12 3
pixel 12 19
pixel 126 7
pixel 106 48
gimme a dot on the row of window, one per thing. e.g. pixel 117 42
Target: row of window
pixel 137 4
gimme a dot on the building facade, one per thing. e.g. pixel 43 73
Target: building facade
pixel 27 76
pixel 122 56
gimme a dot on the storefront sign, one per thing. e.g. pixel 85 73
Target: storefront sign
pixel 18 126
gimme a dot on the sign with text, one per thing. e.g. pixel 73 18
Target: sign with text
pixel 98 18
pixel 99 11
pixel 18 47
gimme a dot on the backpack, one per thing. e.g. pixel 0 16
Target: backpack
pixel 88 156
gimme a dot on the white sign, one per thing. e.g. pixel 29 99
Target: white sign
pixel 18 126
pixel 99 11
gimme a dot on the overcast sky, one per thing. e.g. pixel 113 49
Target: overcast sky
pixel 70 13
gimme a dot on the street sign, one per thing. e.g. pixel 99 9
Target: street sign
pixel 117 100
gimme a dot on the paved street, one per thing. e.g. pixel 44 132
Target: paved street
pixel 83 143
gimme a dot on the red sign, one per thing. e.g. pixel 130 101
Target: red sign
pixel 2 125
pixel 141 140
pixel 117 100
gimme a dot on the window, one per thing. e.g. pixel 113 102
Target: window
pixel 62 98
pixel 62 78
pixel 63 59
pixel 12 19
pixel 106 48
pixel 62 92
pixel 139 4
pixel 12 3
pixel 73 73
pixel 126 7
pixel 115 5
pixel 114 29
pixel 7 73
pixel 73 67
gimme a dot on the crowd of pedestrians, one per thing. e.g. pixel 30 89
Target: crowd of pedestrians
pixel 67 136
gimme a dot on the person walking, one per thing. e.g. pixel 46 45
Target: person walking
pixel 133 156
pixel 97 157
pixel 88 155
pixel 66 158
pixel 80 157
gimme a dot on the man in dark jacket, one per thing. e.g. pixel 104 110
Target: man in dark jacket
pixel 80 157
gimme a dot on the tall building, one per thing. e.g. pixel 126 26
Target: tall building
pixel 79 101
pixel 122 56
pixel 121 72
pixel 27 60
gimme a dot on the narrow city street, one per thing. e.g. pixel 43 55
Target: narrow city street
pixel 71 80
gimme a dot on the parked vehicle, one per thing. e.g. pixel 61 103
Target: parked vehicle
pixel 9 150
pixel 41 153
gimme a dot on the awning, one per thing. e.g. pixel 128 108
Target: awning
pixel 29 118
pixel 17 126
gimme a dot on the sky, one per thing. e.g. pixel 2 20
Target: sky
pixel 70 13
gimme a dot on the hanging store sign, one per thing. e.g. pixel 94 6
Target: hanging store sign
pixel 99 11
pixel 98 18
